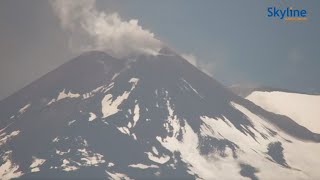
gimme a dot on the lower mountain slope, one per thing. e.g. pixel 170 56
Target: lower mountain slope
pixel 146 118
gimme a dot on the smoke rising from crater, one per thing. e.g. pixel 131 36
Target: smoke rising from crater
pixel 90 29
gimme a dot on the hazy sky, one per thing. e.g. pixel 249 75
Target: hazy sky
pixel 234 40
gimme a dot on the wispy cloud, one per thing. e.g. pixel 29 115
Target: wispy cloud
pixel 91 29
pixel 206 67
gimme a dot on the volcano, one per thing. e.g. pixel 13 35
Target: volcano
pixel 148 117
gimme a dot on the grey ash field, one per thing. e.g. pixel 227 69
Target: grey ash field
pixel 152 117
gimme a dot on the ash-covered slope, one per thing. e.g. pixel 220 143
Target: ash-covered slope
pixel 147 117
pixel 81 75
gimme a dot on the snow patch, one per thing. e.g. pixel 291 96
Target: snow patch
pixel 84 157
pixel 155 151
pixel 90 158
pixel 124 130
pixel 134 136
pixel 118 176
pixel 36 163
pixel 97 89
pixel 110 164
pixel 56 139
pixel 190 87
pixel 160 160
pixel 115 75
pixel 134 81
pixel 50 102
pixel 221 168
pixel 9 170
pixel 63 95
pixel 110 107
pixel 67 167
pixel 91 94
pixel 129 125
pixel 172 124
pixel 143 166
pixel 298 154
pixel 4 138
pixel 302 108
pixel 136 115
pixel 61 152
pixel 24 108
pixel 110 86
pixel 71 122
pixel 92 116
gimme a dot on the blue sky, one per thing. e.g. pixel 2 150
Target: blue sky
pixel 244 44
pixel 235 39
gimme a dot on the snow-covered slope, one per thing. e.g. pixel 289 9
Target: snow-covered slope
pixel 303 108
pixel 146 118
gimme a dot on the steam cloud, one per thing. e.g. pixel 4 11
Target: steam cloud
pixel 204 67
pixel 90 29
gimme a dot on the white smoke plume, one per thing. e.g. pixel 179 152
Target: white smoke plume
pixel 205 67
pixel 90 29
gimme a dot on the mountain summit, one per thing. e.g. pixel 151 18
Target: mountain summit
pixel 147 117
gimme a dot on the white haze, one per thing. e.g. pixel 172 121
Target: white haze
pixel 203 66
pixel 91 29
